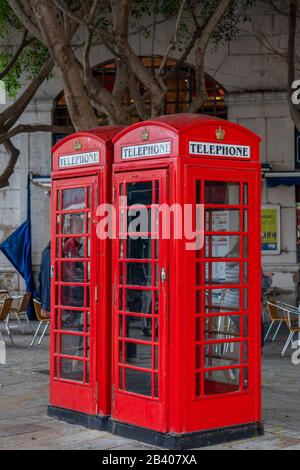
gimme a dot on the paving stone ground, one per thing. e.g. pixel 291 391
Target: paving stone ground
pixel 24 424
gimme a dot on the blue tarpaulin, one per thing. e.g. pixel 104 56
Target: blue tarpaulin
pixel 17 249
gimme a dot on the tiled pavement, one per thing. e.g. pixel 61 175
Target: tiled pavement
pixel 24 395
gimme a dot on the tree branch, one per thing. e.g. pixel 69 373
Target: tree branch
pixel 13 154
pixel 172 43
pixel 34 128
pixel 15 58
pixel 26 20
pixel 10 115
pixel 201 46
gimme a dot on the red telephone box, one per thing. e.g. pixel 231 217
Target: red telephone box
pixel 80 369
pixel 186 308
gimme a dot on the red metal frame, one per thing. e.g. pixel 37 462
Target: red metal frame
pixel 86 333
pixel 189 404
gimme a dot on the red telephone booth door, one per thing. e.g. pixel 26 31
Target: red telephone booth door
pixel 140 301
pixel 224 385
pixel 74 268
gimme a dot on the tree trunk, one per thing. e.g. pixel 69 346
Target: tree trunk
pixel 79 105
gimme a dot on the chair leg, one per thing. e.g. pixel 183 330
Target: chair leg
pixel 269 331
pixel 1 337
pixel 19 322
pixel 44 332
pixel 28 323
pixel 277 331
pixel 8 331
pixel 36 333
pixel 289 340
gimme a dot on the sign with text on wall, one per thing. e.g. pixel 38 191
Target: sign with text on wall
pixel 271 227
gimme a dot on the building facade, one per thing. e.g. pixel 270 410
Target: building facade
pixel 246 82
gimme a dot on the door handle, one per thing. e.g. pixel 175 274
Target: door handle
pixel 163 275
pixel 52 272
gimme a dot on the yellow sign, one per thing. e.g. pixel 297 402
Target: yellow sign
pixel 271 229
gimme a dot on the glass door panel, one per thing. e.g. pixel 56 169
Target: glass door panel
pixel 72 281
pixel 222 289
pixel 141 309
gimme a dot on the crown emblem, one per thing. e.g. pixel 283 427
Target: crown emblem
pixel 77 145
pixel 220 133
pixel 145 134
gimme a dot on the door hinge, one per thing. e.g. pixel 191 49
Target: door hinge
pixel 96 392
pixel 113 395
pixel 97 196
pixel 114 192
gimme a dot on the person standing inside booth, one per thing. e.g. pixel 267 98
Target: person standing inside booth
pixel 44 281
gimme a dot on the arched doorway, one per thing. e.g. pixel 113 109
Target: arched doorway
pixel 181 89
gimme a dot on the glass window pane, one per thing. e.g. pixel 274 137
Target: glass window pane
pixel 245 299
pixel 245 247
pixel 222 273
pixel 245 194
pixel 72 320
pixel 156 386
pixel 140 221
pixel 220 382
pixel 222 220
pixel 224 246
pixel 222 354
pixel 139 274
pixel 140 193
pixel 246 379
pixel 246 326
pixel 138 382
pixel 87 372
pixel 72 345
pixel 222 300
pixel 245 273
pixel 73 247
pixel 222 327
pixel 74 199
pixel 72 296
pixel 139 301
pixel 198 385
pixel 72 272
pixel 139 328
pixel 217 192
pixel 246 352
pixel 139 355
pixel 73 224
pixel 72 370
pixel 246 221
pixel 136 249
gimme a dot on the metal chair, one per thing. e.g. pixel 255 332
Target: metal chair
pixel 21 311
pixel 276 315
pixel 5 306
pixel 42 320
pixel 293 324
